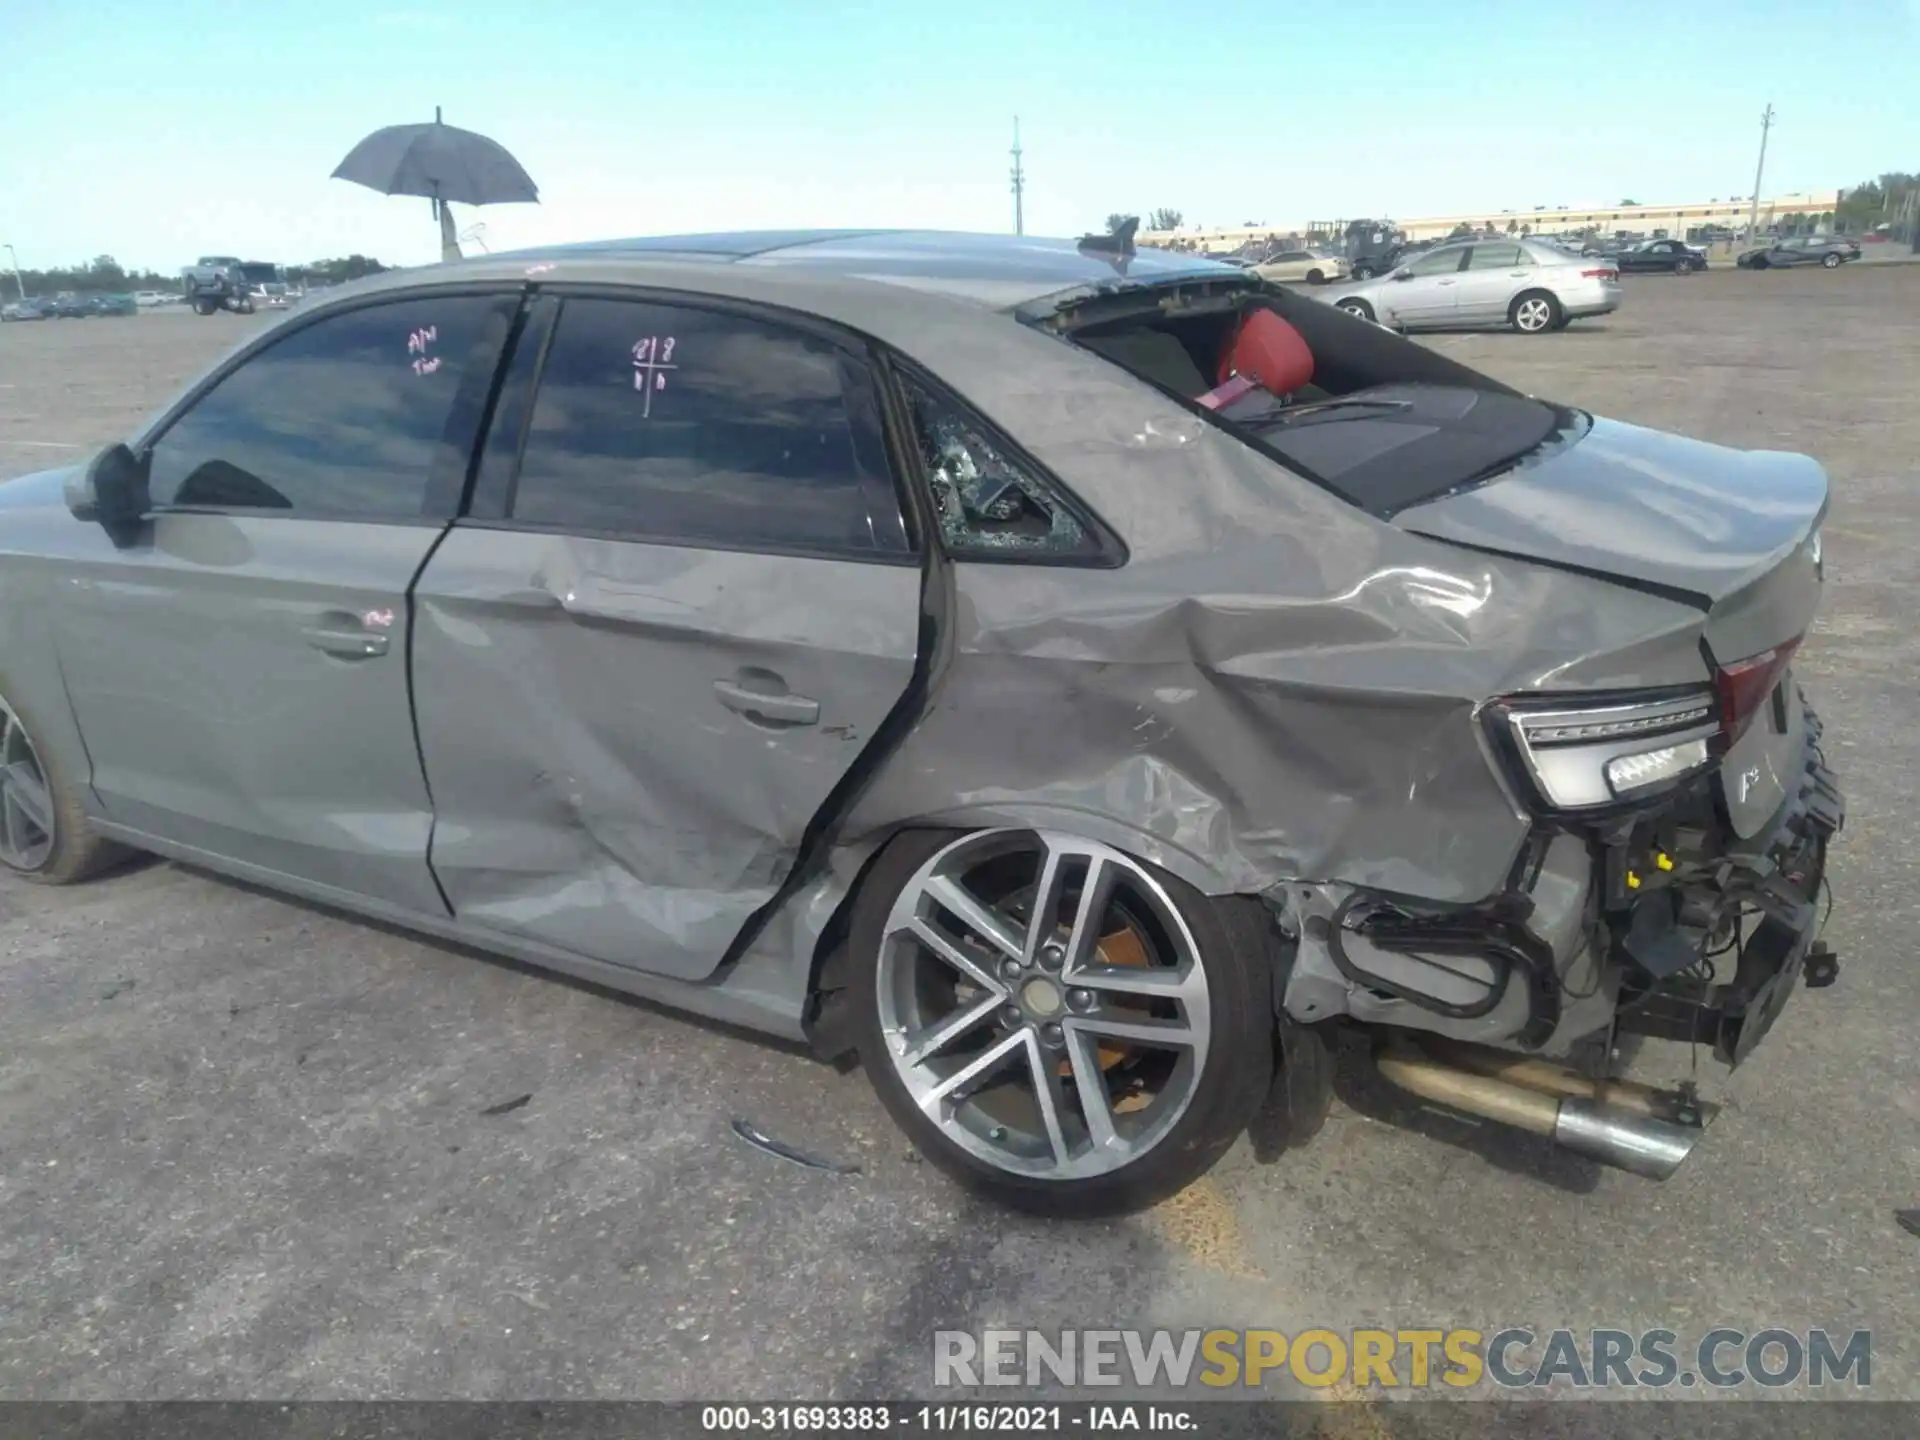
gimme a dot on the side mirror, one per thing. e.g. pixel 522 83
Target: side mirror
pixel 112 490
pixel 1405 272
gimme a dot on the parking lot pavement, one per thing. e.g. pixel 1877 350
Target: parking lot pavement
pixel 249 1148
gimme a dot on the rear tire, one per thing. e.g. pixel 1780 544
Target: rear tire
pixel 1359 309
pixel 202 307
pixel 44 834
pixel 1179 1106
pixel 1757 263
pixel 1534 312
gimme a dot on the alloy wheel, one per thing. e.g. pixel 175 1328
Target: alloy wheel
pixel 1533 314
pixel 1043 1002
pixel 28 826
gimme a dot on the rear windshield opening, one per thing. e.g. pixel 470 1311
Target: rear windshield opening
pixel 1377 419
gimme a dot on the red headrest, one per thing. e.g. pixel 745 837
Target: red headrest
pixel 1268 350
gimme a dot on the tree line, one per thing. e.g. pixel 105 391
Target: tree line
pixel 105 275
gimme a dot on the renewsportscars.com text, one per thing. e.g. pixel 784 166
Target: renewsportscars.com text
pixel 1512 1358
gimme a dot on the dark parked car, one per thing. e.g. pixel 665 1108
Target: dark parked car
pixel 1075 680
pixel 68 305
pixel 115 305
pixel 1829 254
pixel 1673 257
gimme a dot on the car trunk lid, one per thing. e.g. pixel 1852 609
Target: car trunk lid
pixel 1734 533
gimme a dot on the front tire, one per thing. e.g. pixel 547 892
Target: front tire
pixel 1830 261
pixel 1683 267
pixel 44 835
pixel 1534 312
pixel 1359 309
pixel 1056 1025
pixel 1316 277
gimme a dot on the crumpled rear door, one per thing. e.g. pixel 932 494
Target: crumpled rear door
pixel 641 679
pixel 625 743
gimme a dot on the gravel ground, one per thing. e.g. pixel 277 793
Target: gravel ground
pixel 245 1147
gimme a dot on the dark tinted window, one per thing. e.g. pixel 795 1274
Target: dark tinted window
pixel 695 426
pixel 344 417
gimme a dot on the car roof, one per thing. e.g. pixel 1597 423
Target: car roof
pixel 1002 270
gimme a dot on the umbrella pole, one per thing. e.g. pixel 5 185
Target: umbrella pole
pixel 449 242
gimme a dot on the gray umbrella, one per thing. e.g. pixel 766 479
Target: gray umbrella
pixel 442 163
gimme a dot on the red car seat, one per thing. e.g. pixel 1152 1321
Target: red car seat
pixel 1269 352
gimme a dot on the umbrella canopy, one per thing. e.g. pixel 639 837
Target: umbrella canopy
pixel 441 162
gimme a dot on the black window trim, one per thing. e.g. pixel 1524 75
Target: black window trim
pixel 854 347
pixel 539 318
pixel 1109 552
pixel 156 431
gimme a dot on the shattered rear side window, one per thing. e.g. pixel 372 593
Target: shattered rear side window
pixel 988 503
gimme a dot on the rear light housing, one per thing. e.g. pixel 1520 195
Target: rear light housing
pixel 1604 273
pixel 1588 755
pixel 1740 689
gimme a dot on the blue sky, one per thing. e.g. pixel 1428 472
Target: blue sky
pixel 158 131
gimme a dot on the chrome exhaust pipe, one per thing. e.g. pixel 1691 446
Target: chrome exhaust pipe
pixel 1629 1126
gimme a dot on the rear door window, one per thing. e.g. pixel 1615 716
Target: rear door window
pixel 705 427
pixel 1496 257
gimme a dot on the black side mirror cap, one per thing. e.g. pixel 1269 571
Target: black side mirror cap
pixel 112 491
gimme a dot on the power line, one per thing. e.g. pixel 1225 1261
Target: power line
pixel 1753 217
pixel 1019 182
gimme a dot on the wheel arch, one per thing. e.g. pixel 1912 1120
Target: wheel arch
pixel 30 674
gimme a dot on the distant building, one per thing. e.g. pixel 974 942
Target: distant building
pixel 1676 219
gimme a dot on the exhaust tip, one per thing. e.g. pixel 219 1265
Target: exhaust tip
pixel 1631 1127
pixel 1641 1144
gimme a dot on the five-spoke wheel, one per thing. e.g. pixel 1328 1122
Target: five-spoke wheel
pixel 1057 1022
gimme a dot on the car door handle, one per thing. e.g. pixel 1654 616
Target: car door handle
pixel 347 644
pixel 758 705
pixel 1446 282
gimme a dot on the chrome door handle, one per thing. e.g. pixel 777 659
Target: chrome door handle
pixel 757 705
pixel 347 644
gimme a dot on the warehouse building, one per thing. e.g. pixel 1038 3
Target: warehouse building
pixel 1730 213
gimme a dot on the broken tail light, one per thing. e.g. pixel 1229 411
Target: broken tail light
pixel 1741 688
pixel 1578 756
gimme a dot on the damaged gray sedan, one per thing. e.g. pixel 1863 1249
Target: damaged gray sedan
pixel 1077 681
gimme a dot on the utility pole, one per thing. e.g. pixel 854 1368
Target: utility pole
pixel 1753 217
pixel 1019 182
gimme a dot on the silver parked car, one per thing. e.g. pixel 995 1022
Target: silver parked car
pixel 1527 285
pixel 1077 681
